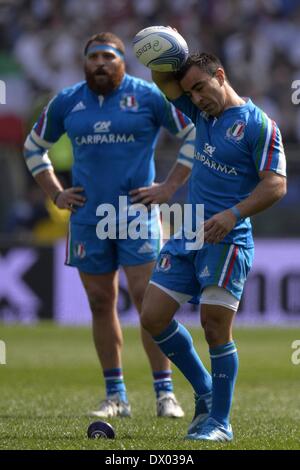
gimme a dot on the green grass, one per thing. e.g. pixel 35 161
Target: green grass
pixel 52 379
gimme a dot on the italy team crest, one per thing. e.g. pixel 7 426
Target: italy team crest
pixel 164 264
pixel 237 131
pixel 79 250
pixel 129 102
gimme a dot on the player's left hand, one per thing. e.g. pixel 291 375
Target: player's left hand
pixel 155 194
pixel 218 226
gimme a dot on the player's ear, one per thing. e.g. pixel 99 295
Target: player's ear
pixel 220 76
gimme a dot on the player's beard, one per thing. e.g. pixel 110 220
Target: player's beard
pixel 102 82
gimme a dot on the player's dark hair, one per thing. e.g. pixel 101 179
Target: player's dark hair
pixel 209 63
pixel 104 38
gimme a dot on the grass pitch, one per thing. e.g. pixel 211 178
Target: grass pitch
pixel 52 379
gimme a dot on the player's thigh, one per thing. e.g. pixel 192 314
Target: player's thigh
pixel 102 291
pixel 158 309
pixel 222 270
pixel 217 323
pixel 138 256
pixel 218 309
pixel 138 277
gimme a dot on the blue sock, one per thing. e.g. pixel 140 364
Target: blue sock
pixel 224 368
pixel 114 383
pixel 177 344
pixel 162 381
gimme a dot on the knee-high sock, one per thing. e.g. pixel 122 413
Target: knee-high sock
pixel 224 368
pixel 177 344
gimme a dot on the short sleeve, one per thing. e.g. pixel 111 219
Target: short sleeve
pixel 170 117
pixel 50 125
pixel 266 145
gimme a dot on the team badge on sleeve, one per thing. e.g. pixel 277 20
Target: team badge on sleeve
pixel 129 102
pixel 237 131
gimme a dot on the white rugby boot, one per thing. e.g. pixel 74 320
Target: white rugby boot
pixel 111 407
pixel 167 406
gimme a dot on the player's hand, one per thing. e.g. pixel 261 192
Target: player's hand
pixel 70 198
pixel 218 226
pixel 155 194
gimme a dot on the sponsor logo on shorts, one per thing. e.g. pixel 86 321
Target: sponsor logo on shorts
pixel 205 272
pixel 145 248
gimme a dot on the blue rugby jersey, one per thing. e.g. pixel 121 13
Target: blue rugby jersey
pixel 113 139
pixel 230 151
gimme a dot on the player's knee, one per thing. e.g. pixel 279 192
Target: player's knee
pixel 214 332
pixel 203 322
pixel 151 323
pixel 148 320
pixel 101 301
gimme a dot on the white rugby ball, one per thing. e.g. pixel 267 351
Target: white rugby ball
pixel 160 48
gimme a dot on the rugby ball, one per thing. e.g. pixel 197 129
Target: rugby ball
pixel 160 48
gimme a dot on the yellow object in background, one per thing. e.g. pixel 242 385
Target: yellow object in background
pixel 61 154
pixel 53 228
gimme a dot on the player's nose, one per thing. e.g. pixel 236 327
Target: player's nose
pixel 198 97
pixel 100 60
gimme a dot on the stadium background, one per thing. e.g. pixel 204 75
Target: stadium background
pixel 41 44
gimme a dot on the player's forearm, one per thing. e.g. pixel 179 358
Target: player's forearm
pixel 40 166
pixel 48 181
pixel 167 83
pixel 178 175
pixel 266 193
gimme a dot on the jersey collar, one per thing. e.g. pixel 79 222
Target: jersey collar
pixel 239 109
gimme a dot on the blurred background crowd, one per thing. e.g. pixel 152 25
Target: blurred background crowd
pixel 41 51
